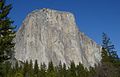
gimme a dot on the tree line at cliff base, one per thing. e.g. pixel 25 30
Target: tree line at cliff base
pixel 109 66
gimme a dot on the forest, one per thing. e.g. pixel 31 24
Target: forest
pixel 109 66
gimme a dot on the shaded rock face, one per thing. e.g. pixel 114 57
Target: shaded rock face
pixel 51 35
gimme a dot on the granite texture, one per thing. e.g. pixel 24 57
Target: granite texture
pixel 51 35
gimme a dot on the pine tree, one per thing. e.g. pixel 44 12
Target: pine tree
pixel 72 69
pixel 7 68
pixel 30 69
pixel 92 72
pixel 26 69
pixel 7 34
pixel 80 70
pixel 109 65
pixel 51 70
pixel 59 70
pixel 105 56
pixel 16 66
pixel 36 69
pixel 43 70
pixel 64 70
pixel 109 49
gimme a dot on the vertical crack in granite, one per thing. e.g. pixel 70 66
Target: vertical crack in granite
pixel 51 35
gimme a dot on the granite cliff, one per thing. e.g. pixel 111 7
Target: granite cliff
pixel 51 35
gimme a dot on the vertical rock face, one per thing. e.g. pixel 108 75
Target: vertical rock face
pixel 50 35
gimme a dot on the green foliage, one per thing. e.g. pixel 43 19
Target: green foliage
pixel 105 69
pixel 72 70
pixel 42 72
pixel 81 71
pixel 7 34
pixel 51 70
pixel 109 67
pixel 110 61
pixel 109 52
pixel 36 69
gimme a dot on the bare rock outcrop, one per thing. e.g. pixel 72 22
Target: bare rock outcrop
pixel 51 35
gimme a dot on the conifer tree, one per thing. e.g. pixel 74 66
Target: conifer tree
pixel 59 70
pixel 31 69
pixel 36 69
pixel 80 70
pixel 64 70
pixel 16 66
pixel 108 49
pixel 25 69
pixel 7 34
pixel 91 72
pixel 43 70
pixel 51 70
pixel 72 69
pixel 109 66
